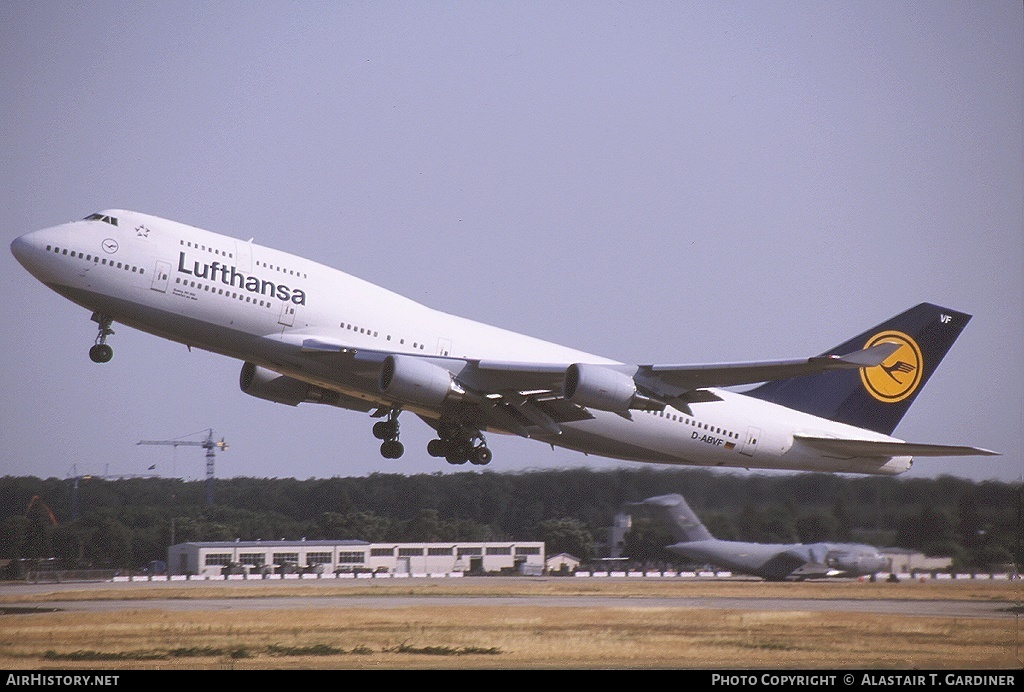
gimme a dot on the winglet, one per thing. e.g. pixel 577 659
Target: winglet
pixel 868 357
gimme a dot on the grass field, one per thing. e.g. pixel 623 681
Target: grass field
pixel 487 636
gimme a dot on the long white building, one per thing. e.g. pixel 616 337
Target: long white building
pixel 212 559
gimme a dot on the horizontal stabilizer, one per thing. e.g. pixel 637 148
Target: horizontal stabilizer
pixel 882 448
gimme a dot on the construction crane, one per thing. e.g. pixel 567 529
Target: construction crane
pixel 36 500
pixel 208 444
pixel 77 477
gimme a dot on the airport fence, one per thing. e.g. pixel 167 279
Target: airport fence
pixel 70 575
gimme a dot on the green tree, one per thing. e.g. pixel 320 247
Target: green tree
pixel 816 527
pixel 646 540
pixel 113 544
pixel 565 535
pixel 13 538
pixel 361 526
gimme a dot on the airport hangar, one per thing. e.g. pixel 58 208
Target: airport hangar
pixel 214 559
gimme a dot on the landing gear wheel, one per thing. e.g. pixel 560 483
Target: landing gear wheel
pixel 101 353
pixel 457 456
pixel 459 442
pixel 481 456
pixel 387 430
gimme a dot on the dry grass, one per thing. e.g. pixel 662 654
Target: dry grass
pixel 488 636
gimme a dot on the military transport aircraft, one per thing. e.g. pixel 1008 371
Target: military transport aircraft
pixel 309 333
pixel 771 561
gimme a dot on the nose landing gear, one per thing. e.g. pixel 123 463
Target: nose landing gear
pixel 101 352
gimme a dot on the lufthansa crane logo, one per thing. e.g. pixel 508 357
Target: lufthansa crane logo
pixel 900 374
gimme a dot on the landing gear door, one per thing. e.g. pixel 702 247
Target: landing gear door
pixel 750 443
pixel 160 276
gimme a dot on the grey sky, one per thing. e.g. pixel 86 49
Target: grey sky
pixel 654 182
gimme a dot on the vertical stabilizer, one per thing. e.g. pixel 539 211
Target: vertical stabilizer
pixel 875 398
pixel 683 524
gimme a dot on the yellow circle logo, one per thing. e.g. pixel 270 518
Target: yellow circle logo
pixel 900 374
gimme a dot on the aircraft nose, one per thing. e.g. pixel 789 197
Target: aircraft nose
pixel 22 249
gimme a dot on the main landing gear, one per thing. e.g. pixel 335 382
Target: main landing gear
pixel 387 430
pixel 100 351
pixel 458 443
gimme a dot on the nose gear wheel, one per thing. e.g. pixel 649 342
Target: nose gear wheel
pixel 101 352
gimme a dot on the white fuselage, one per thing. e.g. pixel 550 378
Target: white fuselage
pixel 258 304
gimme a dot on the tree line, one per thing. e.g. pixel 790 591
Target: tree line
pixel 129 522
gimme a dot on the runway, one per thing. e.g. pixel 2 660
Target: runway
pixel 469 592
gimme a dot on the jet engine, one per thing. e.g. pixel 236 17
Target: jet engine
pixel 855 562
pixel 599 387
pixel 413 380
pixel 281 389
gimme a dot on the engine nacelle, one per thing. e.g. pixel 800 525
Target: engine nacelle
pixel 855 561
pixel 281 389
pixel 596 386
pixel 413 380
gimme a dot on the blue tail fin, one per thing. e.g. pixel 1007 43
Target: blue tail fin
pixel 875 398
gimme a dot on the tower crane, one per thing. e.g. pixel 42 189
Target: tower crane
pixel 81 477
pixel 208 444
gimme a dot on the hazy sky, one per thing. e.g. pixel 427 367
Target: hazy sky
pixel 649 181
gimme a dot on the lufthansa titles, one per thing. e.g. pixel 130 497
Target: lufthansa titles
pixel 230 276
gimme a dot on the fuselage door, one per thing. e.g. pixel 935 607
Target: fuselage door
pixel 750 443
pixel 243 256
pixel 160 276
pixel 287 317
pixel 444 347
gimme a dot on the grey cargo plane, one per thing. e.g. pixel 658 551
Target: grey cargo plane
pixel 771 561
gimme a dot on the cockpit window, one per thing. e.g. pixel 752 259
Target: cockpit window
pixel 112 220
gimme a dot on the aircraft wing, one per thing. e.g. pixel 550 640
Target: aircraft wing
pixel 881 448
pixel 526 397
pixel 692 377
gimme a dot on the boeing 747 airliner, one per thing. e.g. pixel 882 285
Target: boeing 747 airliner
pixel 309 333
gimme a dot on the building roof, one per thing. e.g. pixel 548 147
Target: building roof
pixel 270 544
